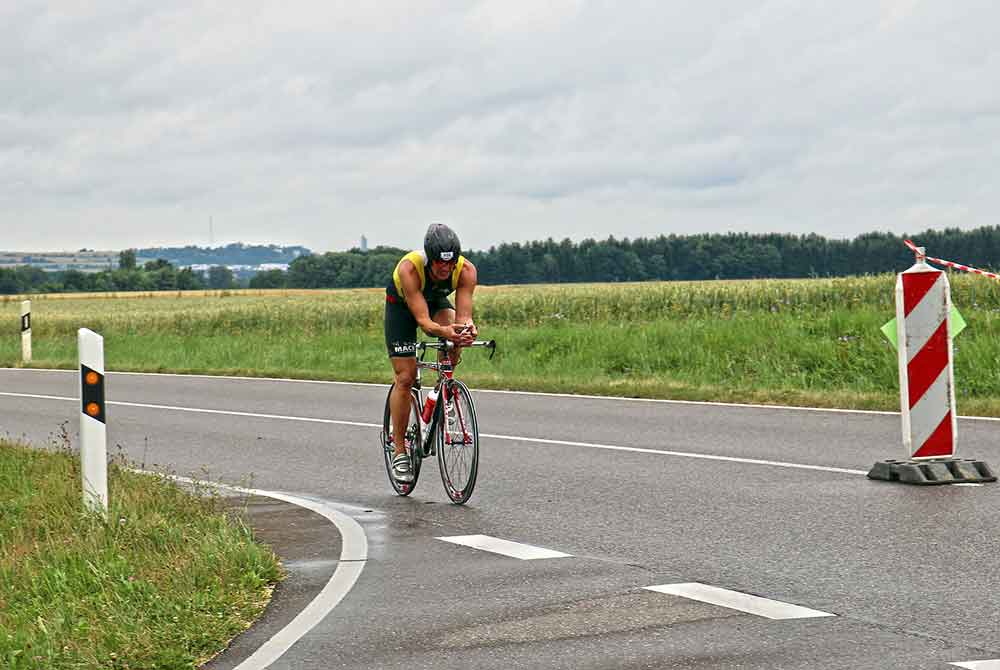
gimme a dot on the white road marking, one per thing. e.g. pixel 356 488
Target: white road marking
pixel 512 438
pixel 708 403
pixel 525 552
pixel 744 602
pixel 992 664
pixel 353 555
pixel 198 410
pixel 682 454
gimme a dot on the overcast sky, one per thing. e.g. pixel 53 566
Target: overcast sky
pixel 129 123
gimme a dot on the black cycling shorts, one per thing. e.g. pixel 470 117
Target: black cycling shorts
pixel 401 327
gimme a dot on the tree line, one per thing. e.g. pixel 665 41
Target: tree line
pixel 667 257
pixel 663 258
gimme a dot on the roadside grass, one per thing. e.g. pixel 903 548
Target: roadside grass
pixel 166 582
pixel 799 342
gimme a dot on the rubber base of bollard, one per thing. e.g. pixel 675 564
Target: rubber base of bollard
pixel 932 472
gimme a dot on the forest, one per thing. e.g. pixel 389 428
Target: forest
pixel 662 258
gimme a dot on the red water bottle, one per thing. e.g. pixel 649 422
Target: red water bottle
pixel 432 399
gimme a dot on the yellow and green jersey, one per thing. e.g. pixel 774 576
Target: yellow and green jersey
pixel 433 291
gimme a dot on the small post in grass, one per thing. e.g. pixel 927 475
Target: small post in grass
pixel 26 331
pixel 93 431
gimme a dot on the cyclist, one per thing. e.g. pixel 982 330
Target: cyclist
pixel 418 296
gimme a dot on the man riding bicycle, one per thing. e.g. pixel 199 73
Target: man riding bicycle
pixel 418 296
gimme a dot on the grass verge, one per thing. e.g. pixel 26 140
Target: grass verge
pixel 803 342
pixel 166 582
pixel 837 359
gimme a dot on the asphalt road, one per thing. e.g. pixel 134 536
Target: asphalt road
pixel 909 575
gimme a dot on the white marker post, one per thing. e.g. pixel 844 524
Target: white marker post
pixel 26 331
pixel 93 431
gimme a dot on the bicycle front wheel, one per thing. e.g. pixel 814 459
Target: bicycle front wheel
pixel 458 443
pixel 413 437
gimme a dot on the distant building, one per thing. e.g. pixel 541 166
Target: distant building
pixel 84 260
pixel 364 243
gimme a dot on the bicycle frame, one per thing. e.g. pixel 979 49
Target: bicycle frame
pixel 452 426
pixel 446 375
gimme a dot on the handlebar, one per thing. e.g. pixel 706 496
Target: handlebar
pixel 447 345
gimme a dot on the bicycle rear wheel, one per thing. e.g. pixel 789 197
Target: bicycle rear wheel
pixel 458 444
pixel 413 437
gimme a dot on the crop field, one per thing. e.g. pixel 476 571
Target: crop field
pixel 813 341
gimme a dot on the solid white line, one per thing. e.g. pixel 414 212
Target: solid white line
pixel 512 438
pixel 992 664
pixel 501 391
pixel 682 454
pixel 525 552
pixel 38 396
pixel 744 602
pixel 353 554
pixel 255 415
pixel 706 403
pixel 198 410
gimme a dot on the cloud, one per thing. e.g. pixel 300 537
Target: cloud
pixel 312 123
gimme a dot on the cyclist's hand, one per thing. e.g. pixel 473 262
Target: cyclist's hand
pixel 454 334
pixel 468 331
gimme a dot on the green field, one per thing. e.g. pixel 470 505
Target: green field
pixel 166 582
pixel 813 342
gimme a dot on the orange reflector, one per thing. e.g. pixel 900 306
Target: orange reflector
pixel 93 409
pixel 92 378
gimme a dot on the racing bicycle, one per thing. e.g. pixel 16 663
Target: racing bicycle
pixel 446 427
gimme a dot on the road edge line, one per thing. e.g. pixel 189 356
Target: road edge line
pixel 353 556
pixel 513 438
pixel 834 410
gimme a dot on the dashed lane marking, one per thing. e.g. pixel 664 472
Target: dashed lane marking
pixel 744 602
pixel 525 552
pixel 992 664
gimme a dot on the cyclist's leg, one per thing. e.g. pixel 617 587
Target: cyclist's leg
pixel 401 344
pixel 405 371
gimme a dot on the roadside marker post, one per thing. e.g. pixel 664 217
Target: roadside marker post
pixel 26 331
pixel 926 374
pixel 924 331
pixel 93 431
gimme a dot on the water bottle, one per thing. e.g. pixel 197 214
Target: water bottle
pixel 432 398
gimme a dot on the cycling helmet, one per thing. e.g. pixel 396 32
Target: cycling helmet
pixel 441 243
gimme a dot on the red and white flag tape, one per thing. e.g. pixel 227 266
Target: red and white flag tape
pixel 940 261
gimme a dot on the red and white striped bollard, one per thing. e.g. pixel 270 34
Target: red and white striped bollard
pixel 926 376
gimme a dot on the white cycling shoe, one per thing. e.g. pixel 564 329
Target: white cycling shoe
pixel 402 469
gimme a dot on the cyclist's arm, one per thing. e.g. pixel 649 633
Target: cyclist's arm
pixel 415 301
pixel 463 295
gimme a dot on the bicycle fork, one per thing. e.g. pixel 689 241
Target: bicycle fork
pixel 453 422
